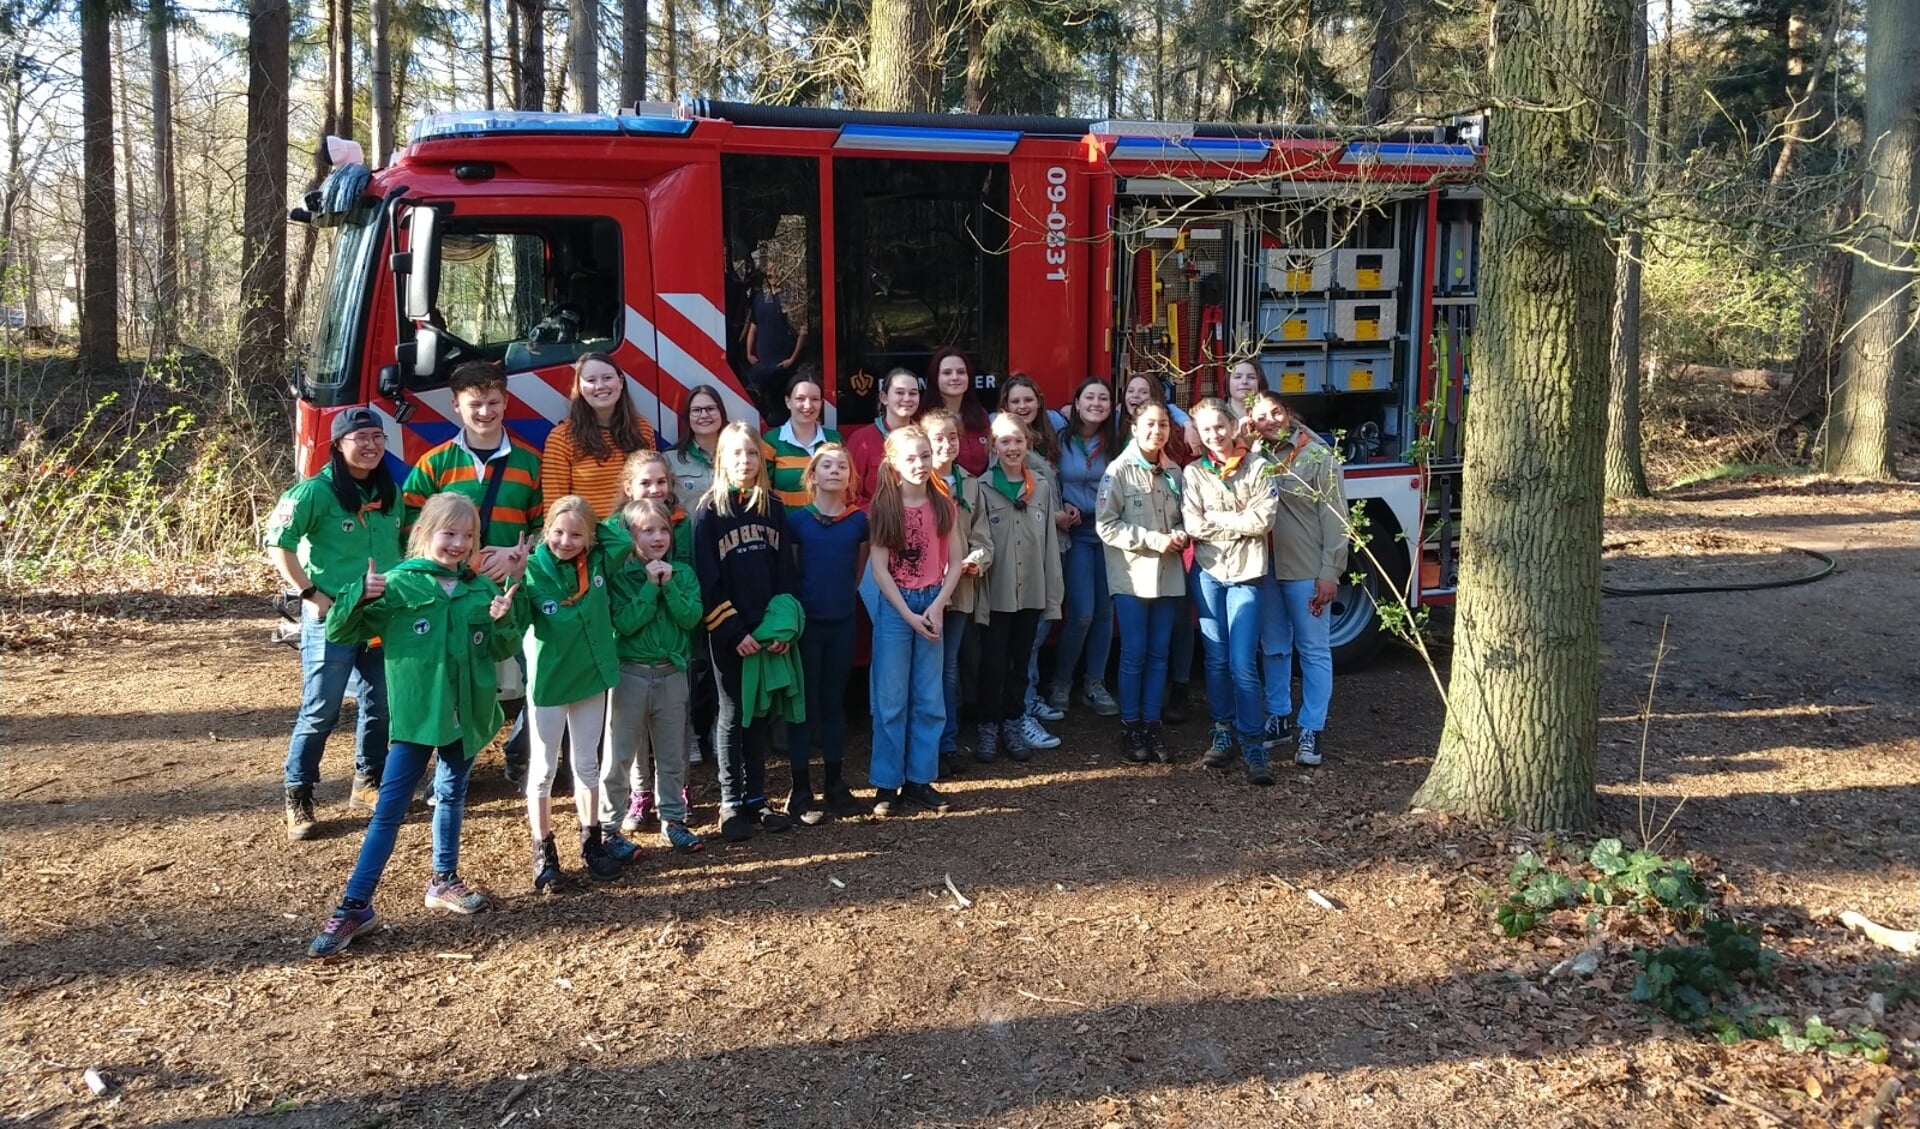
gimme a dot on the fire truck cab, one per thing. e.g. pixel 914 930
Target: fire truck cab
pixel 1058 248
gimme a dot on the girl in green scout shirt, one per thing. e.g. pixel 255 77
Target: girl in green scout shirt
pixel 319 538
pixel 571 664
pixel 656 606
pixel 444 629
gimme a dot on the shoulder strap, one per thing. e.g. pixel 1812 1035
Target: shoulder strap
pixel 496 473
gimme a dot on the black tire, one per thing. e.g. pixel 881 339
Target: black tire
pixel 1356 633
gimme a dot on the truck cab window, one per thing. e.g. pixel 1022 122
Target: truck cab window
pixel 530 292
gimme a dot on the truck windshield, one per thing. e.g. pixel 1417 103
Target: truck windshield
pixel 331 375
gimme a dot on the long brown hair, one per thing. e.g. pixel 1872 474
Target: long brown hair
pixel 1106 436
pixel 686 443
pixel 886 514
pixel 1040 436
pixel 625 425
pixel 1176 448
pixel 973 416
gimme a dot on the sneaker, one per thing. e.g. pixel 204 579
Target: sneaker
pixel 926 796
pixel 987 749
pixel 1279 731
pixel 365 794
pixel 680 837
pixel 772 821
pixel 1155 739
pixel 619 846
pixel 1133 741
pixel 546 866
pixel 300 821
pixel 737 827
pixel 887 802
pixel 1035 735
pixel 602 866
pixel 1039 708
pixel 952 764
pixel 1174 710
pixel 1259 772
pixel 1308 754
pixel 447 892
pixel 1220 752
pixel 842 803
pixel 1059 699
pixel 1013 739
pixel 1098 700
pixel 805 808
pixel 340 930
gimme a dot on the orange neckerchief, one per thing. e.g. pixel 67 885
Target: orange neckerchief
pixel 1224 470
pixel 1000 482
pixel 679 514
pixel 580 571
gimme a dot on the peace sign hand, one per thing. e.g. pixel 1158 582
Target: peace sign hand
pixel 374 585
pixel 502 605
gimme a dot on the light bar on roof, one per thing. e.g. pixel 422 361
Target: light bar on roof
pixel 927 139
pixel 1218 150
pixel 1402 153
pixel 655 127
pixel 1127 127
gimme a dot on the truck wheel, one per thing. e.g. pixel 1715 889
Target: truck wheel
pixel 1356 633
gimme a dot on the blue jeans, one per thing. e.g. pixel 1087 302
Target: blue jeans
pixel 1230 631
pixel 327 672
pixel 953 634
pixel 909 698
pixel 406 762
pixel 1146 634
pixel 1088 613
pixel 826 654
pixel 1287 626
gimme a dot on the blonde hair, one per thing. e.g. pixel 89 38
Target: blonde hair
pixel 442 511
pixel 887 513
pixel 823 450
pixel 630 470
pixel 720 495
pixel 576 506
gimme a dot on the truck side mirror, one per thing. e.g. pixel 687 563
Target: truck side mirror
pixel 426 352
pixel 423 275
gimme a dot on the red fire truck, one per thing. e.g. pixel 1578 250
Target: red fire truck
pixel 1056 247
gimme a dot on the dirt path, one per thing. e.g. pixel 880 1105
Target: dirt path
pixel 1139 950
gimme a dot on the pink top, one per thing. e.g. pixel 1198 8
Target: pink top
pixel 923 562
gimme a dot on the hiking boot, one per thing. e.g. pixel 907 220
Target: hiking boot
pixel 1013 739
pixel 843 803
pixel 300 821
pixel 1174 710
pixel 1038 707
pixel 772 821
pixel 1220 752
pixel 1279 731
pixel 640 812
pixel 887 802
pixel 925 796
pixel 987 749
pixel 1059 698
pixel 736 827
pixel 365 794
pixel 1259 772
pixel 1034 735
pixel 1308 754
pixel 602 866
pixel 952 764
pixel 447 892
pixel 346 923
pixel 805 808
pixel 546 866
pixel 1133 741
pixel 621 848
pixel 680 837
pixel 1098 700
pixel 1154 737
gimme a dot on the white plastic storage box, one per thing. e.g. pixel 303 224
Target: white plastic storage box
pixel 1293 321
pixel 1295 374
pixel 1368 371
pixel 1367 269
pixel 1363 320
pixel 1295 270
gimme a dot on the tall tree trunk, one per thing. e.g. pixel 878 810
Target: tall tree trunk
pixel 633 52
pixel 1798 114
pixel 341 33
pixel 900 66
pixel 263 257
pixel 1159 60
pixel 380 80
pixel 557 73
pixel 1523 708
pixel 166 283
pixel 130 243
pixel 976 95
pixel 583 44
pixel 100 244
pixel 671 10
pixel 1823 326
pixel 486 53
pixel 1860 424
pixel 1385 63
pixel 532 91
pixel 1626 473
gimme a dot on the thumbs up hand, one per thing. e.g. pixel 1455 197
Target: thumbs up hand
pixel 375 584
pixel 502 605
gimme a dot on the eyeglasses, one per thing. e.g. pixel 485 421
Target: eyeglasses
pixel 703 409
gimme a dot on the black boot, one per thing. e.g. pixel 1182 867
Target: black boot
pixel 840 800
pixel 601 865
pixel 801 804
pixel 1174 712
pixel 1133 741
pixel 515 750
pixel 546 866
pixel 300 821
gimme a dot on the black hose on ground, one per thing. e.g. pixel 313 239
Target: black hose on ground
pixel 1827 565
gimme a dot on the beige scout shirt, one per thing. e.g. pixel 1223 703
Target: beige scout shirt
pixel 973 533
pixel 1026 552
pixel 1309 525
pixel 1229 518
pixel 1138 514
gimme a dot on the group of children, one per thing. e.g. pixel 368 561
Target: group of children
pixel 644 629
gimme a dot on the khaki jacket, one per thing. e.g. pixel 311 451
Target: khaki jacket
pixel 1309 526
pixel 1025 572
pixel 973 531
pixel 1230 518
pixel 1138 513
